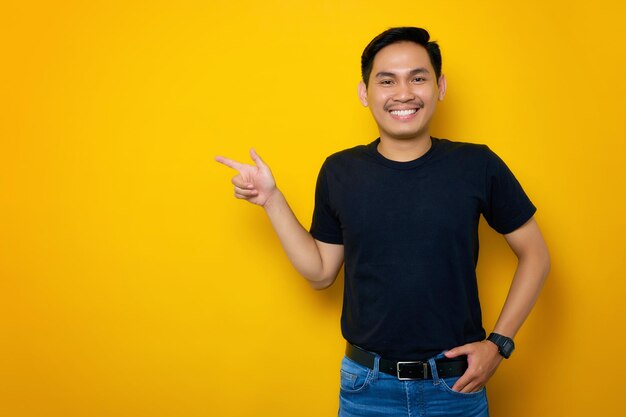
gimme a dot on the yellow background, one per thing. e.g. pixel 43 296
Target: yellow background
pixel 133 284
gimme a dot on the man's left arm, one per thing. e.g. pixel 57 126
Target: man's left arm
pixel 533 265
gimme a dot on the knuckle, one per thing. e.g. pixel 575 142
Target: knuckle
pixel 470 374
pixel 461 383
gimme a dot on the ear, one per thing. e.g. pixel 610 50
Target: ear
pixel 442 86
pixel 362 93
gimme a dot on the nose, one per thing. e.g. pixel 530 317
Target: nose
pixel 404 93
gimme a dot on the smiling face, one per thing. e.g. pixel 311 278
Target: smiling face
pixel 402 91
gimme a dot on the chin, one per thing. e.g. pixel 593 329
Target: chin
pixel 405 135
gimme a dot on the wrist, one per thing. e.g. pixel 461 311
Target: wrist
pixel 504 344
pixel 273 198
pixel 492 346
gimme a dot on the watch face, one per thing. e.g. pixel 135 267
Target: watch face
pixel 505 344
pixel 507 348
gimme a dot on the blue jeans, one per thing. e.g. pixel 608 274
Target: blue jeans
pixel 367 392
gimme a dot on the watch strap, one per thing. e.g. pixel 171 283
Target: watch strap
pixel 505 344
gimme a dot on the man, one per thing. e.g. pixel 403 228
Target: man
pixel 403 212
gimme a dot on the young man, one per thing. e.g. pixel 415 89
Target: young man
pixel 402 212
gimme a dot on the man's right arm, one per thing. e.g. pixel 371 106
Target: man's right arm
pixel 317 261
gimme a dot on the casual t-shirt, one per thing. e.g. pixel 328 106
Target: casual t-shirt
pixel 410 236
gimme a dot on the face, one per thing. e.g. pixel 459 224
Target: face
pixel 403 91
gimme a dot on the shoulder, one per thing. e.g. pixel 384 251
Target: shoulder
pixel 465 148
pixel 347 158
pixel 355 152
pixel 463 152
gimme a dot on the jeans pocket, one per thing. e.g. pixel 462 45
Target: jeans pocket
pixel 354 377
pixel 447 383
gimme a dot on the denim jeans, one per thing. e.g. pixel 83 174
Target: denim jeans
pixel 367 392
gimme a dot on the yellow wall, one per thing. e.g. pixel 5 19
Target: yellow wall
pixel 133 284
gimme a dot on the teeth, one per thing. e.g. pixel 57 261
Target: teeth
pixel 403 112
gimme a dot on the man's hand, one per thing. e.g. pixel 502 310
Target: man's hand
pixel 317 261
pixel 483 359
pixel 253 183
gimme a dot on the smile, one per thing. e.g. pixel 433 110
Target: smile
pixel 401 113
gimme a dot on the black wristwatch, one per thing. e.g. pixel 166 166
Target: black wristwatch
pixel 505 344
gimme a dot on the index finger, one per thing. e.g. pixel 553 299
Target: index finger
pixel 229 162
pixel 462 382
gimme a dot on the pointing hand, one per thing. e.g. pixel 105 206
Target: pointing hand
pixel 254 183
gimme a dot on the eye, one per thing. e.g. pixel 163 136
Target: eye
pixel 385 82
pixel 419 79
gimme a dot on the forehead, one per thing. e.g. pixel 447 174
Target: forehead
pixel 401 56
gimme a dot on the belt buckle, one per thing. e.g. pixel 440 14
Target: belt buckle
pixel 416 363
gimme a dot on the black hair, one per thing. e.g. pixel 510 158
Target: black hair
pixel 400 34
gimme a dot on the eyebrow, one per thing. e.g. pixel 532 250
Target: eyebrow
pixel 415 71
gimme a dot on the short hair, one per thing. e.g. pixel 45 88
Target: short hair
pixel 400 34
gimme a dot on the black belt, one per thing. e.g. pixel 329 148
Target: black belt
pixel 407 370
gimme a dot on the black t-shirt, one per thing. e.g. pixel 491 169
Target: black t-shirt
pixel 410 236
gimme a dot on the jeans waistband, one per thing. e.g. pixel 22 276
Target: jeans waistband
pixel 409 370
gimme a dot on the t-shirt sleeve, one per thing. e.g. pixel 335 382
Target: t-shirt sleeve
pixel 325 225
pixel 507 207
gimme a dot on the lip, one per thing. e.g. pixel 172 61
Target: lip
pixel 404 117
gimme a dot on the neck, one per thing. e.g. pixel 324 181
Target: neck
pixel 404 150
